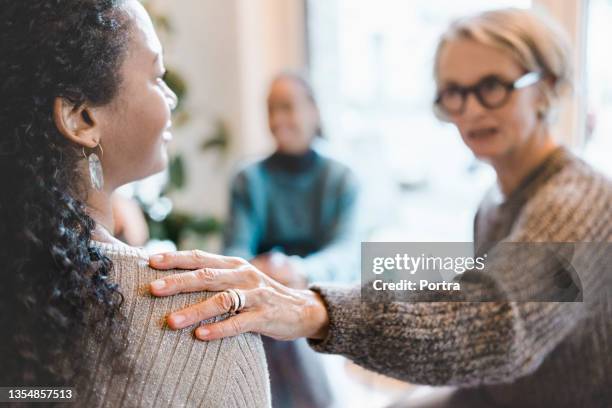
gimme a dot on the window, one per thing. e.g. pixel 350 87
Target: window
pixel 371 65
pixel 599 85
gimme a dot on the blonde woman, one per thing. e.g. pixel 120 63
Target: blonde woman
pixel 499 76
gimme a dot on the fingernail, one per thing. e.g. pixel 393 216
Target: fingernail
pixel 158 284
pixel 156 258
pixel 202 332
pixel 176 319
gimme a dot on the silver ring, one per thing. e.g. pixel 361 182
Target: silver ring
pixel 238 300
pixel 235 300
pixel 242 300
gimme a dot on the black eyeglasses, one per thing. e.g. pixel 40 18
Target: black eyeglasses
pixel 492 92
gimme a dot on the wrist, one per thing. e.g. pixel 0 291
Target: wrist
pixel 317 316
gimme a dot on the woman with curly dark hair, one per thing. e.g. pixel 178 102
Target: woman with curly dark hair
pixel 85 110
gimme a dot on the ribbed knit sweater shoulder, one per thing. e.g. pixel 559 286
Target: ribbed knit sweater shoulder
pixel 511 354
pixel 166 368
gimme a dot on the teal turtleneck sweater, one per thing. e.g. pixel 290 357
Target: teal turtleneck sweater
pixel 302 206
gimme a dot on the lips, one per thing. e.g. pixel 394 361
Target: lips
pixel 483 133
pixel 283 132
pixel 167 136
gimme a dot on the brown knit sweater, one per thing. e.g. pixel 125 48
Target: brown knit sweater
pixel 168 368
pixel 511 354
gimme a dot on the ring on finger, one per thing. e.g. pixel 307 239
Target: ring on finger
pixel 238 300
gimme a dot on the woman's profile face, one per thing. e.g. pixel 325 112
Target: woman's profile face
pixel 489 133
pixel 292 116
pixel 136 124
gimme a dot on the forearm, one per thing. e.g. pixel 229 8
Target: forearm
pixel 449 343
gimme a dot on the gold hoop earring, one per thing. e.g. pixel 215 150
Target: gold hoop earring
pixel 96 174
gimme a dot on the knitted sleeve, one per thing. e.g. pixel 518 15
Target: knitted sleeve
pixel 469 343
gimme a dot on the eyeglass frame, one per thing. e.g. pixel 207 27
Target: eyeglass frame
pixel 524 81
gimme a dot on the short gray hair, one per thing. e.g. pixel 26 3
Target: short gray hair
pixel 534 40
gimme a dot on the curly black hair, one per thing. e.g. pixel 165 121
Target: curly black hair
pixel 53 281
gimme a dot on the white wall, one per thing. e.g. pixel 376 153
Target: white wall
pixel 572 14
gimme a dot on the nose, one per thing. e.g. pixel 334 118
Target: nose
pixel 275 117
pixel 473 107
pixel 171 97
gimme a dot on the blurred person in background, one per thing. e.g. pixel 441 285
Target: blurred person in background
pixel 294 215
pixel 499 76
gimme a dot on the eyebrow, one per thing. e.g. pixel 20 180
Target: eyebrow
pixel 451 82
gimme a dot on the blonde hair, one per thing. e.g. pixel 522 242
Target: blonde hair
pixel 534 40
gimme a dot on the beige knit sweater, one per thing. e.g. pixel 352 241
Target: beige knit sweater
pixel 168 368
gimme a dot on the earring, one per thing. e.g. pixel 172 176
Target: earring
pixel 96 175
pixel 542 112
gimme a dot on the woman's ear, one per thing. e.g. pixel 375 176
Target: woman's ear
pixel 76 123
